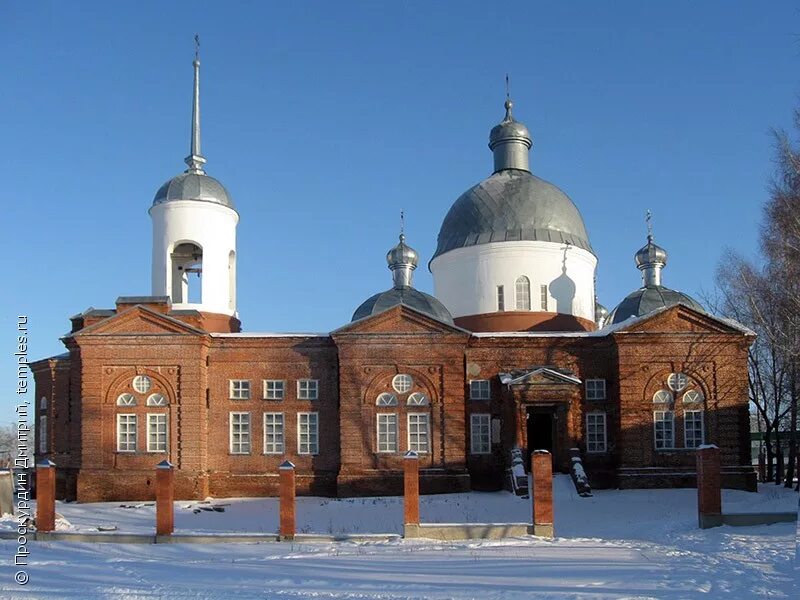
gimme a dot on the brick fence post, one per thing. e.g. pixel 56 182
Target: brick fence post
pixel 46 496
pixel 287 501
pixel 542 493
pixel 411 494
pixel 165 496
pixel 709 489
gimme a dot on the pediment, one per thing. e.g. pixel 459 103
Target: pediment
pixel 680 318
pixel 139 320
pixel 539 376
pixel 402 320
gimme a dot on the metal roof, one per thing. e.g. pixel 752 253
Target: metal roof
pixel 193 186
pixel 512 205
pixel 407 296
pixel 647 299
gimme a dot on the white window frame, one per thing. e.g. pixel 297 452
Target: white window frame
pixel 386 399
pixel 274 389
pixel 660 419
pixel 308 389
pixel 663 397
pixel 126 400
pixel 480 433
pixel 417 399
pixel 701 429
pixel 693 397
pixel 386 426
pixel 157 400
pixel 595 389
pixel 142 384
pixel 43 434
pixel 478 391
pixel 236 446
pixel 130 421
pixel 43 403
pixel 674 381
pixel 501 298
pixel 402 383
pixel 414 421
pixel 522 293
pixel 277 429
pixel 311 444
pixel 153 422
pixel 239 389
pixel 596 432
pixel 543 296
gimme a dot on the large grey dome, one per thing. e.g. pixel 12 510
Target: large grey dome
pixel 512 205
pixel 193 186
pixel 407 296
pixel 647 299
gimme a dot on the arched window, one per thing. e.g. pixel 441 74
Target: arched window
pixel 156 400
pixel 187 260
pixel 693 397
pixel 386 400
pixel 417 399
pixel 126 400
pixel 523 293
pixel 662 397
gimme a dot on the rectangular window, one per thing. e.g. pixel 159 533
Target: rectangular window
pixel 480 440
pixel 274 389
pixel 42 434
pixel 308 433
pixel 479 389
pixel 595 389
pixel 664 429
pixel 693 428
pixel 240 433
pixel 239 389
pixel 387 432
pixel 418 432
pixel 126 433
pixel 523 293
pixel 307 389
pixel 157 432
pixel 501 298
pixel 596 432
pixel 543 296
pixel 273 433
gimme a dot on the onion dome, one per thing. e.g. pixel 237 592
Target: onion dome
pixel 650 260
pixel 194 184
pixel 512 204
pixel 600 314
pixel 402 260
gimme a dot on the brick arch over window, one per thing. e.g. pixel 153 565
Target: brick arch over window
pixel 123 383
pixel 382 382
pixel 658 381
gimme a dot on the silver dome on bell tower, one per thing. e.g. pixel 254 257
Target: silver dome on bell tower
pixel 194 183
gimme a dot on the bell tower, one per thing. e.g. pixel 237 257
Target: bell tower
pixel 194 235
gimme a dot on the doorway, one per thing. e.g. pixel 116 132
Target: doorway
pixel 540 431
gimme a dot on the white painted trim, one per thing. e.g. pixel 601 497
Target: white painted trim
pixel 378 433
pixel 428 429
pixel 316 427
pixel 472 419
pixel 264 433
pixel 166 431
pixel 249 432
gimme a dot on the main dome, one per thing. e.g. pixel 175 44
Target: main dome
pixel 512 205
pixel 193 186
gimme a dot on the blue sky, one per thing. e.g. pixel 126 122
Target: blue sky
pixel 325 119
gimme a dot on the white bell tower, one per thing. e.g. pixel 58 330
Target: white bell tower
pixel 194 233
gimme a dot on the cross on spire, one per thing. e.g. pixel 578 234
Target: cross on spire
pixel 648 219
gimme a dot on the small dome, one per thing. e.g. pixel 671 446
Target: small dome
pixel 512 205
pixel 650 254
pixel 509 130
pixel 406 296
pixel 193 186
pixel 647 299
pixel 402 254
pixel 600 314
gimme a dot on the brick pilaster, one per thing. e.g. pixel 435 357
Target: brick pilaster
pixel 287 501
pixel 165 495
pixel 709 492
pixel 46 496
pixel 542 493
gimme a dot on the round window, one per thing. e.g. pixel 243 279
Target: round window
pixel 142 384
pixel 677 381
pixel 402 383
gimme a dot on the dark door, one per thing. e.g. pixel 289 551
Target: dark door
pixel 540 431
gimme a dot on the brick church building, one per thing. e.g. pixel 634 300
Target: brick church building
pixel 512 351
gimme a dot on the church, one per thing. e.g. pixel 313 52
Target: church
pixel 512 351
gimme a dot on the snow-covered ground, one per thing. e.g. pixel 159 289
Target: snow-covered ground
pixel 617 544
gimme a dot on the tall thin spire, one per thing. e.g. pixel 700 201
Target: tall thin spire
pixel 195 159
